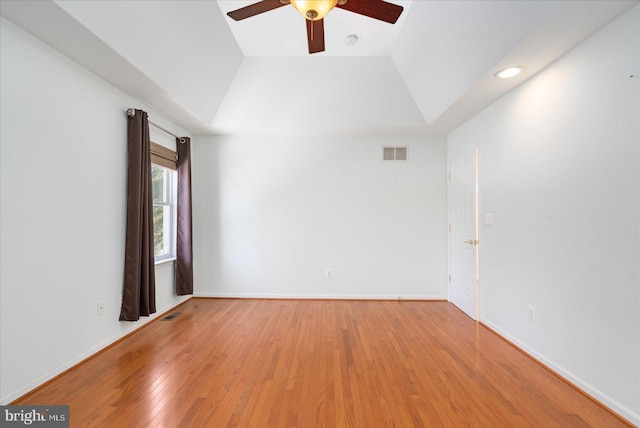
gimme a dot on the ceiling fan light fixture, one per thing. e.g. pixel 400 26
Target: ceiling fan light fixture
pixel 313 10
pixel 509 72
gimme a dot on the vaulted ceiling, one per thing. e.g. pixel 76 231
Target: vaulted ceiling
pixel 427 74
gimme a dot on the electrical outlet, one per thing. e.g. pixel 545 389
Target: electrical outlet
pixel 100 308
pixel 329 273
pixel 532 313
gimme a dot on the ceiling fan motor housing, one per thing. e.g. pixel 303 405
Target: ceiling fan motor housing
pixel 314 10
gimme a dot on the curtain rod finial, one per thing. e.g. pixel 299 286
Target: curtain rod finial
pixel 131 112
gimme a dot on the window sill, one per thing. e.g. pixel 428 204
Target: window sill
pixel 165 261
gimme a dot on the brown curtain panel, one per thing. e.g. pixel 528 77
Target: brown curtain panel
pixel 184 246
pixel 139 294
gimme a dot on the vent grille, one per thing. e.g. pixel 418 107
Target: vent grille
pixel 171 316
pixel 395 153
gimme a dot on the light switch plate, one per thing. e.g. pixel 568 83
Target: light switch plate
pixel 488 219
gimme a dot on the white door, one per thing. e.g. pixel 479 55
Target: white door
pixel 463 239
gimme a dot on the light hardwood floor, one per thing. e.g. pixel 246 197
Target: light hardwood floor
pixel 316 363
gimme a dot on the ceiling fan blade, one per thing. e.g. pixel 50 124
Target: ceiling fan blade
pixel 377 9
pixel 255 9
pixel 315 35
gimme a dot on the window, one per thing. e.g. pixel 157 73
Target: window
pixel 163 180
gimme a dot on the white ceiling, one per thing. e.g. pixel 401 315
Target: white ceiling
pixel 427 74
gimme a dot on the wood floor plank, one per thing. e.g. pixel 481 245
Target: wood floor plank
pixel 314 363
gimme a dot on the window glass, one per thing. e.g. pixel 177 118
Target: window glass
pixel 158 180
pixel 163 185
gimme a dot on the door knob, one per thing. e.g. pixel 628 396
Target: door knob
pixel 470 242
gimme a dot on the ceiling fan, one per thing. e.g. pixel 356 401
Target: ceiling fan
pixel 314 12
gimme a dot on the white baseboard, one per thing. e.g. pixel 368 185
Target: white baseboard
pixel 605 400
pixel 318 296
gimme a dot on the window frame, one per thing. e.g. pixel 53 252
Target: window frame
pixel 164 158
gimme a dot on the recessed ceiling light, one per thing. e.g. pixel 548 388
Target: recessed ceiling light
pixel 508 72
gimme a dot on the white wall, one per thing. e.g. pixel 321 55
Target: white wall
pixel 272 214
pixel 63 181
pixel 560 169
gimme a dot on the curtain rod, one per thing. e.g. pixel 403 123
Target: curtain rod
pixel 132 112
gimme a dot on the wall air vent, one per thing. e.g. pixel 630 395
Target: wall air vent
pixel 394 153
